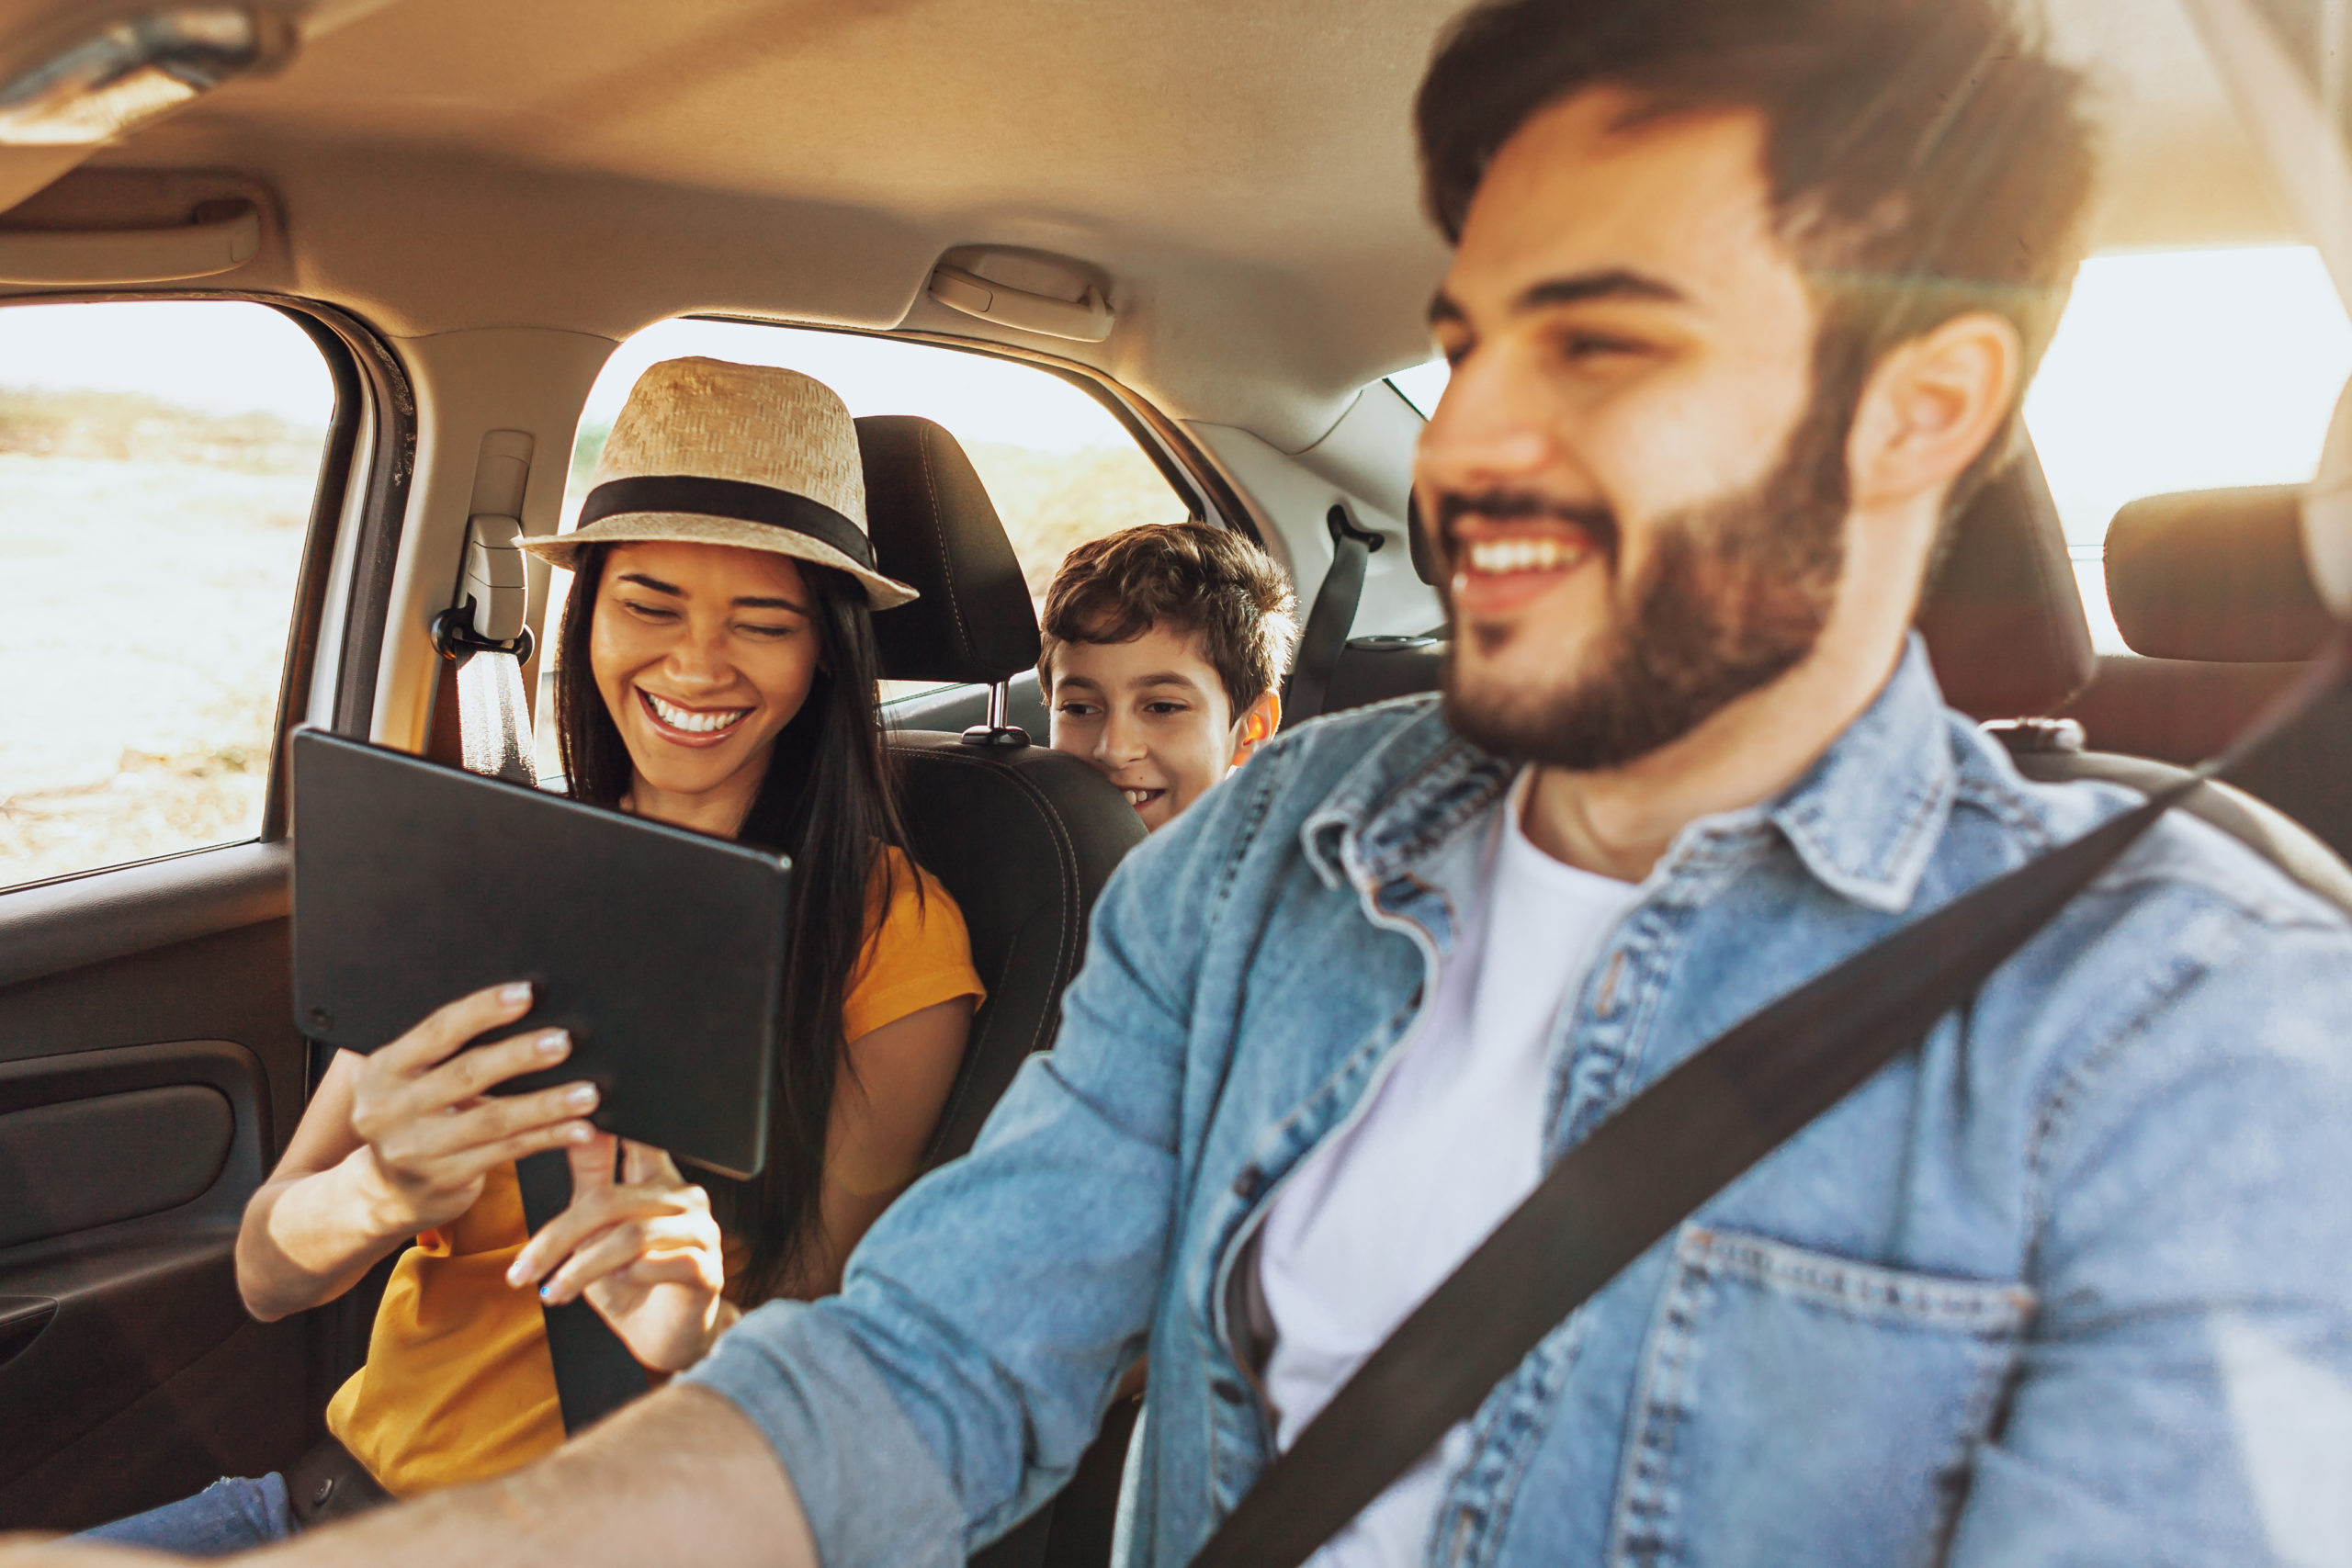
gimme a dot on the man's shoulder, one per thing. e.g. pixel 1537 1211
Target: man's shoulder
pixel 2192 946
pixel 2243 860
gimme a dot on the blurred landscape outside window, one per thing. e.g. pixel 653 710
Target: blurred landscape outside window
pixel 157 461
pixel 1059 467
pixel 2170 371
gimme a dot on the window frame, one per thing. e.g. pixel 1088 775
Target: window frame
pixel 1195 481
pixel 1187 470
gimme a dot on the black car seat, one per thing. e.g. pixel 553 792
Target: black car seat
pixel 2211 590
pixel 2005 629
pixel 1022 836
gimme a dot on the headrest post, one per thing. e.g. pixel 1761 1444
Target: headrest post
pixel 997 731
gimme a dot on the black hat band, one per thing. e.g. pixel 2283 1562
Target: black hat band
pixel 738 500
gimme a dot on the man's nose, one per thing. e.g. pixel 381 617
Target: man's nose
pixel 1492 429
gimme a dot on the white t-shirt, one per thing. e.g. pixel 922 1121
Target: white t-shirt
pixel 1377 1217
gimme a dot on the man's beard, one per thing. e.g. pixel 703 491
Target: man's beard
pixel 1735 593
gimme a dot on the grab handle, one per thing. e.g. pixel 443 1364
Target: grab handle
pixel 1087 320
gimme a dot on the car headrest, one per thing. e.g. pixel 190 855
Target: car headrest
pixel 2003 619
pixel 935 529
pixel 2217 575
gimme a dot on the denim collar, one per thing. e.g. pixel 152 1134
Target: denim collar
pixel 1864 819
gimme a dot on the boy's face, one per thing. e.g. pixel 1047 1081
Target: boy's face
pixel 1153 718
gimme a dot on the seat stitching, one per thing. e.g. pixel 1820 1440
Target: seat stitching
pixel 939 540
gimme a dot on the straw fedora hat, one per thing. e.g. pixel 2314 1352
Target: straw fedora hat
pixel 709 452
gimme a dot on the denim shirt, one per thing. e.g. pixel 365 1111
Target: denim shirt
pixel 2071 1282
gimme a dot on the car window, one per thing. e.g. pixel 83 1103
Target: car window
pixel 2170 371
pixel 1060 468
pixel 157 461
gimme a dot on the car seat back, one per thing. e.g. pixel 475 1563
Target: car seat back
pixel 1023 838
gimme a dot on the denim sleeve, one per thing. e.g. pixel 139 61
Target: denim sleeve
pixel 956 1382
pixel 2186 1391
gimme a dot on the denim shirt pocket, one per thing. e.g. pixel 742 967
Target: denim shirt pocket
pixel 1893 1376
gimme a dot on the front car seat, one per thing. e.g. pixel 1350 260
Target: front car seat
pixel 1022 836
pixel 2005 628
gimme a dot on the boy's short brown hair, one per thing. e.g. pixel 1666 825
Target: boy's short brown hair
pixel 1189 577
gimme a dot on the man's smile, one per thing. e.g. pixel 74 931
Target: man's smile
pixel 1501 567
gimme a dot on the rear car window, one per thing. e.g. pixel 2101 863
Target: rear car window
pixel 157 462
pixel 1060 468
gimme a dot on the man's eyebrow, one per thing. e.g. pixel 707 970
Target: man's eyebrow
pixel 1086 680
pixel 655 583
pixel 1617 283
pixel 1168 678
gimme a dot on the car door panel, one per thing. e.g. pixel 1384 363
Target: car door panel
pixel 146 1074
pixel 123 1172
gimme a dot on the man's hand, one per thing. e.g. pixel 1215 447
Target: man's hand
pixel 645 1253
pixel 431 1131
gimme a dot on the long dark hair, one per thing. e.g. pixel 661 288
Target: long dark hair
pixel 829 801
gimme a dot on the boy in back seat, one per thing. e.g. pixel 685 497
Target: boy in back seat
pixel 1164 646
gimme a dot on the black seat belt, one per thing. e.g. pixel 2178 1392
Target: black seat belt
pixel 595 1373
pixel 1331 618
pixel 1657 1158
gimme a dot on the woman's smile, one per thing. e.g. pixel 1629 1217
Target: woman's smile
pixel 683 725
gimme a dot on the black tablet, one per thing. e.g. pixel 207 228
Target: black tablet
pixel 661 950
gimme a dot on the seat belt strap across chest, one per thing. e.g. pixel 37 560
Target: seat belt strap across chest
pixel 594 1372
pixel 1660 1157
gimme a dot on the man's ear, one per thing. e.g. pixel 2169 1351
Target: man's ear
pixel 1930 407
pixel 1258 724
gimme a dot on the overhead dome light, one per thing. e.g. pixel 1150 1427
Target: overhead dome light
pixel 113 81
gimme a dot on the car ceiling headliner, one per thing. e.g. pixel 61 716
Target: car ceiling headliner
pixel 1242 172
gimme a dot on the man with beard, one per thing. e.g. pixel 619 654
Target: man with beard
pixel 1744 297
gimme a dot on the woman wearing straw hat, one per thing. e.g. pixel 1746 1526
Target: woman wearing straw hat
pixel 717 670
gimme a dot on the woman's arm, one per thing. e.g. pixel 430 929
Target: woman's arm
pixel 395 1143
pixel 885 1103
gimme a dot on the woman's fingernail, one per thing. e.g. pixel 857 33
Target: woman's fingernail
pixel 578 1132
pixel 515 1276
pixel 546 1291
pixel 516 994
pixel 580 1096
pixel 555 1043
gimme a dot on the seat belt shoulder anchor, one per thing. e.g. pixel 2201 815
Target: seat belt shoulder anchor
pixel 492 595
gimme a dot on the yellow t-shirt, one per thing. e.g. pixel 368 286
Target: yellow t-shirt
pixel 458 1385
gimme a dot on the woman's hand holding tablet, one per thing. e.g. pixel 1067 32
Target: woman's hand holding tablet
pixel 433 1133
pixel 646 1253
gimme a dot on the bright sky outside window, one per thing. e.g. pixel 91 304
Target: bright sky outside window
pixel 157 461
